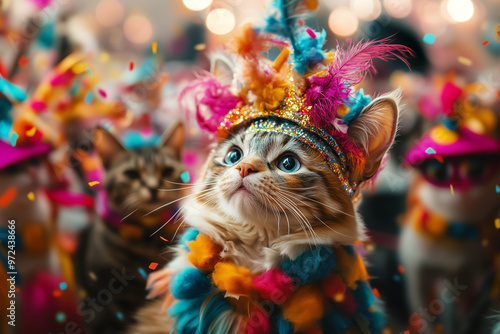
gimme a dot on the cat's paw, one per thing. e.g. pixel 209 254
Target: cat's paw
pixel 158 282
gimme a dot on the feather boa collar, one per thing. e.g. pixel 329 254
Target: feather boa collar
pixel 323 290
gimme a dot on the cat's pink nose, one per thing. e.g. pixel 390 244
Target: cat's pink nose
pixel 245 168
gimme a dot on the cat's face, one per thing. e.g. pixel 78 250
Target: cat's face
pixel 273 179
pixel 473 179
pixel 272 184
pixel 141 180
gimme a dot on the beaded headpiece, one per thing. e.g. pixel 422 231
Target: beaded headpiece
pixel 306 92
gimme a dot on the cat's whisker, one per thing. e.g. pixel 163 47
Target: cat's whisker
pixel 129 215
pixel 190 184
pixel 175 201
pixel 313 200
pixel 282 210
pixel 168 221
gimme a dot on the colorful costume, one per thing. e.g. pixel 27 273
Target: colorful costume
pixel 313 99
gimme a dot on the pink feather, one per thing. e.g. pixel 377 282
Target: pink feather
pixel 212 101
pixel 348 68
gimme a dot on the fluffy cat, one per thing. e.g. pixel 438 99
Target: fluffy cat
pixel 120 243
pixel 265 196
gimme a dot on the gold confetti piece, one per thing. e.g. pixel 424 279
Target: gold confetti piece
pixel 497 223
pixel 154 47
pixel 104 56
pixel 451 189
pixel 162 238
pixel 201 46
pixel 31 132
pixel 464 61
pixel 31 196
pixel 92 275
pixel 93 183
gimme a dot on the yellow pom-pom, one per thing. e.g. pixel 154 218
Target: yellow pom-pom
pixel 304 308
pixel 233 279
pixel 204 253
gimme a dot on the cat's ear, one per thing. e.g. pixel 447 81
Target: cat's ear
pixel 374 130
pixel 106 145
pixel 222 67
pixel 173 139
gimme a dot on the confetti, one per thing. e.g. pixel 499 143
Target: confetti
pixel 13 139
pixel 439 158
pixel 102 93
pixel 119 315
pixel 311 33
pixel 430 150
pixel 386 331
pixel 407 332
pixel 486 43
pixel 154 46
pixel 497 223
pixel 31 132
pixel 131 66
pixel 185 177
pixel 56 293
pixel 338 297
pixel 485 242
pixel 93 183
pixel 92 275
pixel 451 189
pixel 31 196
pixel 401 269
pixel 301 23
pixel 162 238
pixel 153 265
pixel 7 197
pixel 88 70
pixel 376 293
pixel 429 39
pixel 142 272
pixel 396 277
pixel 201 46
pixel 63 285
pixel 498 188
pixel 104 57
pixel 60 317
pixel 23 61
pixel 88 97
pixel 464 61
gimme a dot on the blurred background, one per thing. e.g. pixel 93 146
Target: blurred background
pixel 122 63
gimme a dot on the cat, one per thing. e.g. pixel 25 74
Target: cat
pixel 265 196
pixel 114 252
pixel 448 243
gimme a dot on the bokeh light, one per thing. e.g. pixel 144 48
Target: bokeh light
pixel 138 29
pixel 398 8
pixel 460 10
pixel 367 10
pixel 220 21
pixel 109 12
pixel 197 5
pixel 343 22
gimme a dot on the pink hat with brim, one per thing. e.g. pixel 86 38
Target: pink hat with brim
pixel 446 143
pixel 12 155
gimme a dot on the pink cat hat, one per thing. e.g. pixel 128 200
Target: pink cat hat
pixel 465 130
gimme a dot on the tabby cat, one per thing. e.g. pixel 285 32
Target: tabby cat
pixel 265 196
pixel 120 245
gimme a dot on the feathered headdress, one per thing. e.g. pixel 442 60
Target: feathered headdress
pixel 306 92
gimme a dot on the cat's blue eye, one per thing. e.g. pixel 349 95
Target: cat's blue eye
pixel 233 156
pixel 288 163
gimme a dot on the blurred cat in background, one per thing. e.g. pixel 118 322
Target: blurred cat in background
pixel 131 230
pixel 449 244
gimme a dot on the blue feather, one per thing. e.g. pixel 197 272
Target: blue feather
pixel 357 104
pixel 189 235
pixel 283 20
pixel 312 265
pixel 190 283
pixel 215 306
